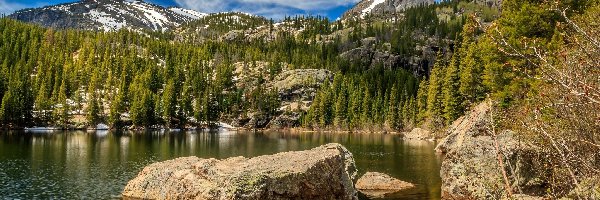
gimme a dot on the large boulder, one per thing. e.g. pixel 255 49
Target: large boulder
pixel 325 172
pixel 377 185
pixel 470 168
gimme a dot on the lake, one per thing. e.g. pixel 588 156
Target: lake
pixel 97 165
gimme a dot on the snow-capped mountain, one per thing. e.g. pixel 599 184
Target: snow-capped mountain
pixel 379 7
pixel 108 15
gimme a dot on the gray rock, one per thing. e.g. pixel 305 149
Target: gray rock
pixel 588 188
pixel 419 64
pixel 369 42
pixel 418 134
pixel 471 170
pixel 325 172
pixel 377 185
pixel 258 120
pixel 300 78
pixel 388 7
pixel 300 84
pixel 286 120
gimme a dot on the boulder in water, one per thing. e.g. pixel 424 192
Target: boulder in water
pixel 377 185
pixel 325 172
pixel 418 134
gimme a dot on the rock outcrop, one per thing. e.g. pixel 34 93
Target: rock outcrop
pixel 325 172
pixel 471 169
pixel 377 185
pixel 381 8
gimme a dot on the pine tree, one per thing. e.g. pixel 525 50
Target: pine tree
pixel 341 109
pixel 434 95
pixel 452 98
pixel 169 103
pixel 422 100
pixel 62 108
pixel 354 112
pixel 366 117
pixel 93 107
pixel 325 109
pixel 119 102
pixel 471 83
pixel 393 118
pixel 42 101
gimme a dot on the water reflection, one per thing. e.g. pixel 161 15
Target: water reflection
pixel 75 165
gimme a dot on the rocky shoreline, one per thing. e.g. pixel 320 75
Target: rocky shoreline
pixel 470 170
pixel 324 172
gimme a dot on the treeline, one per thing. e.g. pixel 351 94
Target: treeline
pixel 375 98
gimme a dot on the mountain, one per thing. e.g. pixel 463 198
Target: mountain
pixel 379 7
pixel 108 15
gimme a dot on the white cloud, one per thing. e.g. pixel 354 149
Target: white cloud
pixel 269 8
pixel 10 7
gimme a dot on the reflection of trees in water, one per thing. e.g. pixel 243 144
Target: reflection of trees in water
pixel 92 159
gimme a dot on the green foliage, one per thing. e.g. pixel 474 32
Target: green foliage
pixel 434 95
pixel 452 99
pixel 360 100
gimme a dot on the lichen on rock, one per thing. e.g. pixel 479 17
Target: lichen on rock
pixel 325 172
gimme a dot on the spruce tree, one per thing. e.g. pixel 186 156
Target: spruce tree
pixel 62 108
pixel 366 117
pixel 434 94
pixel 93 107
pixel 452 98
pixel 392 118
pixel 169 103
pixel 422 100
pixel 471 83
pixel 341 109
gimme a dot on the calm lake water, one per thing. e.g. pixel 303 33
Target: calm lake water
pixel 97 165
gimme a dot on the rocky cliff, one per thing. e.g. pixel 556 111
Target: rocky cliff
pixel 381 7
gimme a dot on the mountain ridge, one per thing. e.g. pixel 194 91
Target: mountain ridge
pixel 108 15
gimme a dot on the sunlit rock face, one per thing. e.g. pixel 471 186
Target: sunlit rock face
pixel 325 172
pixel 381 7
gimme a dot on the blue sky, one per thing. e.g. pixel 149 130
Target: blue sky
pixel 276 9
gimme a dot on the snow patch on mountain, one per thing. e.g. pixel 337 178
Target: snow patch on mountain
pixel 108 23
pixel 109 15
pixel 152 16
pixel 192 14
pixel 371 7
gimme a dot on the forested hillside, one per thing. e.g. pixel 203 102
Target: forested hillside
pixel 73 78
pixel 425 68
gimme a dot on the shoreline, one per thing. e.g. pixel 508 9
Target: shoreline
pixel 295 130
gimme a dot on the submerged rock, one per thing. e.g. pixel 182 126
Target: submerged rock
pixel 325 172
pixel 377 185
pixel 418 134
